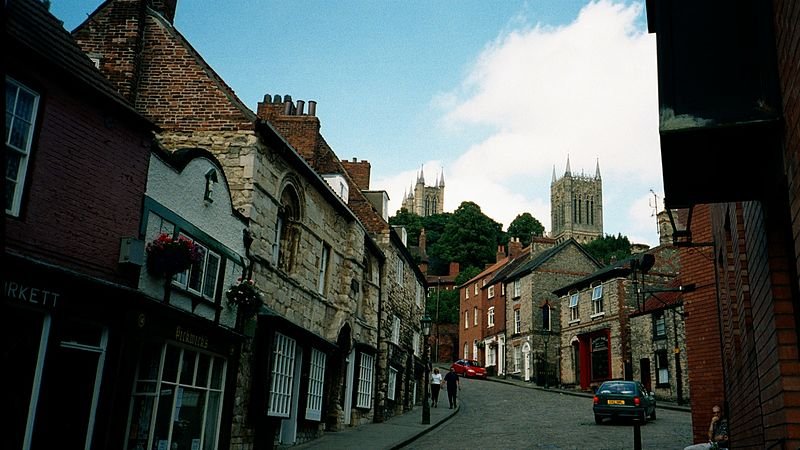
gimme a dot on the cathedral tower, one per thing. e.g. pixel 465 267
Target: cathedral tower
pixel 576 206
pixel 425 200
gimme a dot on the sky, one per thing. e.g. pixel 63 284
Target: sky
pixel 495 96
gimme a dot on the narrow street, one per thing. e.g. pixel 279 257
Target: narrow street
pixel 495 415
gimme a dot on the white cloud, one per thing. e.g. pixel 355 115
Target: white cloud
pixel 588 90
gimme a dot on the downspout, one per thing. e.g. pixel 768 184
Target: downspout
pixel 378 415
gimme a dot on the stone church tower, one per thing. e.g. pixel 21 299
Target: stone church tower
pixel 425 200
pixel 576 206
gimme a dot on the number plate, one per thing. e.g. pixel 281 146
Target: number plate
pixel 616 402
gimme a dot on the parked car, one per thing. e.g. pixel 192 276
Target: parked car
pixel 469 368
pixel 628 399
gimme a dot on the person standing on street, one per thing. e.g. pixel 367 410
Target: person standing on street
pixel 436 385
pixel 453 386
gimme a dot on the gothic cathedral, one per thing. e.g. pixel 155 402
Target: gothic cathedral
pixel 425 200
pixel 576 206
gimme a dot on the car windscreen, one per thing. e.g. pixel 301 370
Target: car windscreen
pixel 617 388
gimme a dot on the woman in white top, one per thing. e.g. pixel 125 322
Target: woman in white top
pixel 436 384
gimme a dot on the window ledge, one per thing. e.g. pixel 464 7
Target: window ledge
pixel 574 321
pixel 598 315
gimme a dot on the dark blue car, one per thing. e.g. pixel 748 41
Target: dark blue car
pixel 623 399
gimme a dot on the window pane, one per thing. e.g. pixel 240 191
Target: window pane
pixel 171 364
pixel 210 434
pixel 187 369
pixel 203 366
pixel 141 415
pixel 188 418
pixel 210 282
pixel 196 271
pixel 217 372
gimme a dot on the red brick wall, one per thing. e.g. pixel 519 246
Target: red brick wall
pixel 167 81
pixel 85 183
pixel 359 171
pixel 702 326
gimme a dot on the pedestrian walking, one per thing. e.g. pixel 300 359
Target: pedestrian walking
pixel 436 385
pixel 453 386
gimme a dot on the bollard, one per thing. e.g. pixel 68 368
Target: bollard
pixel 637 437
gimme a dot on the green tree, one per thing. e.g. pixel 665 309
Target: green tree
pixel 412 223
pixel 609 248
pixel 523 227
pixel 469 238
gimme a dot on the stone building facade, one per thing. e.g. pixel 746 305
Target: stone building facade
pixel 311 362
pixel 658 347
pixel 576 206
pixel 532 309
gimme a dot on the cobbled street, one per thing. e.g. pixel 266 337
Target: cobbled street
pixel 496 415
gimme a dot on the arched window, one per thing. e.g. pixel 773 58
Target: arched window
pixel 287 231
pixel 546 325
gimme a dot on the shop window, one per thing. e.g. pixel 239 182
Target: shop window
pixel 392 387
pixel 365 381
pixel 316 384
pixel 177 399
pixel 662 368
pixel 283 361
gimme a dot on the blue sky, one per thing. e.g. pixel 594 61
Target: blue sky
pixel 493 94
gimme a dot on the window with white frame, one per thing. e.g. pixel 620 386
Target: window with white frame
pixel 517 358
pixel 662 368
pixel 517 288
pixel 287 231
pixel 466 293
pixel 283 360
pixel 203 275
pixel 573 307
pixel 659 325
pixel 491 356
pixel 503 289
pixel 476 289
pixel 466 350
pixel 395 330
pixel 400 268
pixel 490 291
pixel 490 317
pixel 188 387
pixel 324 259
pixel 419 295
pixel 517 322
pixel 365 381
pixel 597 299
pixel 416 343
pixel 316 383
pixel 466 319
pixel 22 105
pixel 392 387
pixel 475 315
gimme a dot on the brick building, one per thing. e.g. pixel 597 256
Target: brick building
pixel 728 84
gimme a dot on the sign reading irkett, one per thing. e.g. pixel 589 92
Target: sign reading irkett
pixel 30 294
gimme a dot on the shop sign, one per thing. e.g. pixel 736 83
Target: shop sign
pixel 31 294
pixel 188 337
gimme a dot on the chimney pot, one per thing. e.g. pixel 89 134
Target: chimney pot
pixel 300 106
pixel 287 107
pixel 312 108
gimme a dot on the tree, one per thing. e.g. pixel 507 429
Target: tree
pixel 469 238
pixel 524 226
pixel 412 223
pixel 609 248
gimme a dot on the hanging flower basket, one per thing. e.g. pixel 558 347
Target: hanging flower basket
pixel 167 256
pixel 245 296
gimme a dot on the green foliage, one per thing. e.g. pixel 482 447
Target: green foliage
pixel 469 237
pixel 448 306
pixel 608 248
pixel 524 226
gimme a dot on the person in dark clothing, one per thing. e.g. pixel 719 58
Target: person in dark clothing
pixel 453 386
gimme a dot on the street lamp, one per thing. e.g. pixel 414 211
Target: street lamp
pixel 546 337
pixel 425 324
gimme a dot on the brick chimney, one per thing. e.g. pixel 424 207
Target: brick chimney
pixel 301 130
pixel 454 269
pixel 514 247
pixel 501 253
pixel 359 171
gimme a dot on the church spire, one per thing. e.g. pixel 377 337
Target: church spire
pixel 421 177
pixel 597 171
pixel 567 172
pixel 554 174
pixel 441 179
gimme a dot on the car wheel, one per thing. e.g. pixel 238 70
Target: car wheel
pixel 643 417
pixel 598 420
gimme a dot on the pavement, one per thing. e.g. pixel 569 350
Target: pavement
pixel 401 430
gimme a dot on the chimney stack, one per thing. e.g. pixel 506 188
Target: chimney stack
pixel 166 8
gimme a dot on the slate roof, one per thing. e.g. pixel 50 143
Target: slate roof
pixel 31 30
pixel 541 258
